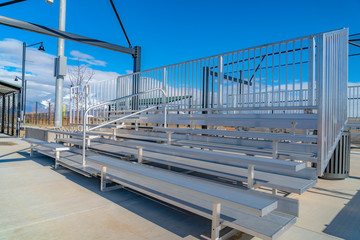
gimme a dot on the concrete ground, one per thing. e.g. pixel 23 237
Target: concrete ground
pixel 38 202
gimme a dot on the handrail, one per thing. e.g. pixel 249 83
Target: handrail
pixel 121 118
pixel 85 118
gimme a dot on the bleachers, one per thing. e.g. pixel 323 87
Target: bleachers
pixel 223 136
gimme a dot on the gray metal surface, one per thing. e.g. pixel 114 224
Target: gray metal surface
pixel 247 134
pixel 53 146
pixel 235 159
pixel 286 150
pixel 235 198
pixel 270 226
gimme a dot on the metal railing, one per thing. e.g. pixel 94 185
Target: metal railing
pixel 306 75
pixel 86 129
pixel 278 70
pixel 332 74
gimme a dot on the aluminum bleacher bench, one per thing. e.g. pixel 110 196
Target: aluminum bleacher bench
pixel 223 163
pixel 69 158
pixel 289 181
pixel 42 146
pixel 245 210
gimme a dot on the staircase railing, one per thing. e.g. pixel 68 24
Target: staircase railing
pixel 85 117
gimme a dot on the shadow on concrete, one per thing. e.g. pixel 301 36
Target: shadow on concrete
pixel 353 177
pixel 171 218
pixel 330 193
pixel 346 223
pixel 38 158
pixel 21 152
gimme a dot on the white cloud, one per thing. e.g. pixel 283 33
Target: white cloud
pixel 79 54
pixel 82 57
pixel 39 71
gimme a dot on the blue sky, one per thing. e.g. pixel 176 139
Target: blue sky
pixel 172 31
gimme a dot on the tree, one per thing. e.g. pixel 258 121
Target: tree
pixel 79 75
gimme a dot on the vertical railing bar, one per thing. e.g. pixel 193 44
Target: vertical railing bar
pixel 266 78
pixel 192 84
pixel 220 80
pixel 273 75
pixel 260 80
pixel 279 81
pixel 243 80
pixel 301 73
pixel 248 92
pixel 293 75
pixel 238 80
pixel 254 77
pixel 286 76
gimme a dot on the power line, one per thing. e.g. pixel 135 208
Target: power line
pixel 355 34
pixel 10 2
pixel 122 26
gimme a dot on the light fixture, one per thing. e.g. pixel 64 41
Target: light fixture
pixel 41 48
pixel 17 78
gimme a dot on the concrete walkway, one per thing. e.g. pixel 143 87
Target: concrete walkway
pixel 38 202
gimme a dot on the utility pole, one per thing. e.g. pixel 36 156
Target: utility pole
pixel 60 66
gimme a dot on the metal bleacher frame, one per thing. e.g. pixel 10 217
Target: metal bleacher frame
pixel 219 136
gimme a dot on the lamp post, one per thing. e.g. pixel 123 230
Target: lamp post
pixel 60 66
pixel 22 106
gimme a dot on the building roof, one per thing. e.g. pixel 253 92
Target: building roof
pixel 6 87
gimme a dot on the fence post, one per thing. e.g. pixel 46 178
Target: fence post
pixel 36 113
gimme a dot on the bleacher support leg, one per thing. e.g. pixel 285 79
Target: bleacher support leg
pixel 103 179
pixel 250 176
pixel 114 134
pixel 215 225
pixel 140 154
pixel 169 137
pixel 31 150
pixel 275 149
pixel 57 158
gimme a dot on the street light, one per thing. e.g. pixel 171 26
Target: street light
pixel 23 92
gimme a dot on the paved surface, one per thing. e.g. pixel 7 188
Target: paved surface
pixel 38 202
